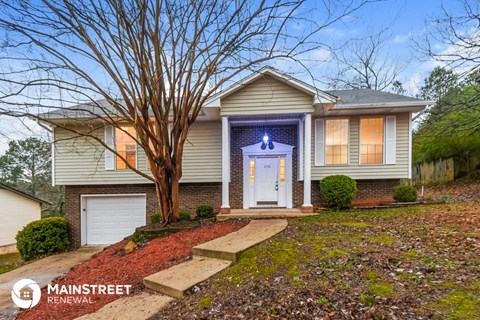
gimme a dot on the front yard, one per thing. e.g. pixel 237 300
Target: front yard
pixel 407 263
pixel 10 261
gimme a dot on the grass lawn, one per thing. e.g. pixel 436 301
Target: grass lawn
pixel 406 263
pixel 10 261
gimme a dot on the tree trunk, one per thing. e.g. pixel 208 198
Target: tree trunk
pixel 167 188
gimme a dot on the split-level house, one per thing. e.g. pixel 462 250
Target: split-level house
pixel 264 142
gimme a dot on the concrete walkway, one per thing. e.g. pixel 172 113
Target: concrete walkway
pixel 42 271
pixel 138 307
pixel 208 259
pixel 212 257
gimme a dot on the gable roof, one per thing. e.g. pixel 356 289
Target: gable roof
pixel 23 194
pixel 360 98
pixel 342 100
pixel 319 96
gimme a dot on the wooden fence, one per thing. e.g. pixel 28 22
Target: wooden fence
pixel 438 171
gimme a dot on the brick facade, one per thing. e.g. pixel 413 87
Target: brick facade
pixel 376 190
pixel 191 195
pixel 242 136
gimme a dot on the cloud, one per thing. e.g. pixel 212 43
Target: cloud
pixel 399 38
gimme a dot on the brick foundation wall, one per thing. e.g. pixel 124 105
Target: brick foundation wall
pixel 376 190
pixel 191 195
pixel 369 191
pixel 242 136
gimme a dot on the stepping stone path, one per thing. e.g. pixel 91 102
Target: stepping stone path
pixel 208 259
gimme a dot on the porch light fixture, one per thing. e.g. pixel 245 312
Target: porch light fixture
pixel 266 142
pixel 265 138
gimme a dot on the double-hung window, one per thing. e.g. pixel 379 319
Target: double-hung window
pixel 125 146
pixel 372 139
pixel 336 141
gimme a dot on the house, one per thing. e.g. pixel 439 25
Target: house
pixel 264 142
pixel 17 209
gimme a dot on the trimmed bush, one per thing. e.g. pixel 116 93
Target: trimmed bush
pixel 155 218
pixel 43 237
pixel 205 211
pixel 139 237
pixel 405 193
pixel 338 191
pixel 185 215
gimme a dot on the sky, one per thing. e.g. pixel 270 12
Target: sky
pixel 404 19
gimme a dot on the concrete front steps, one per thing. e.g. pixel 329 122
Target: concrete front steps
pixel 176 280
pixel 212 257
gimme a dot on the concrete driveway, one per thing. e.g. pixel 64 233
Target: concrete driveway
pixel 42 272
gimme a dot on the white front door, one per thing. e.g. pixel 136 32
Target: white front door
pixel 266 181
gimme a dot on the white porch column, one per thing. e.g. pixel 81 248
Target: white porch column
pixel 307 172
pixel 300 150
pixel 225 166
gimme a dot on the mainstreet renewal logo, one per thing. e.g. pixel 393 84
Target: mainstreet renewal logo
pixel 26 293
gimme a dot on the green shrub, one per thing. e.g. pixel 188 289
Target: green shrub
pixel 405 193
pixel 139 237
pixel 338 191
pixel 155 218
pixel 43 237
pixel 205 211
pixel 185 215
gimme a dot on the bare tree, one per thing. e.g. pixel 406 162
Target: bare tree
pixel 452 39
pixel 362 64
pixel 154 64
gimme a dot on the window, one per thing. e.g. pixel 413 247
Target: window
pixel 252 170
pixel 125 146
pixel 282 170
pixel 336 141
pixel 371 140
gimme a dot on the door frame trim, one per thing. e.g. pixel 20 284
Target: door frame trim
pixel 83 214
pixel 277 167
pixel 254 150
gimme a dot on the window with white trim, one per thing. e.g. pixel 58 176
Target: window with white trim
pixel 336 141
pixel 372 135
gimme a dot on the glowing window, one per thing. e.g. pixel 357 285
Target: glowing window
pixel 126 146
pixel 336 141
pixel 371 140
pixel 252 170
pixel 282 170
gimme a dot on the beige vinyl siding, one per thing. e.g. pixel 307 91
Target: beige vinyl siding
pixel 15 213
pixel 202 160
pixel 357 171
pixel 81 160
pixel 266 96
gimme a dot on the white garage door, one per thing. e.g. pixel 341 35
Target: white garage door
pixel 109 219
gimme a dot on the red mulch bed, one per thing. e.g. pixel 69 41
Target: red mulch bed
pixel 113 266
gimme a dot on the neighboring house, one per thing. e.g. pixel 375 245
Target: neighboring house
pixel 17 209
pixel 312 134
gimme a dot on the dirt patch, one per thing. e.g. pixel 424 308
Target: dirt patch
pixel 113 266
pixel 420 262
pixel 456 191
